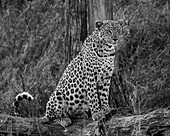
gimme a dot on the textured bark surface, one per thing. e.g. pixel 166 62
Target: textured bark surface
pixel 154 123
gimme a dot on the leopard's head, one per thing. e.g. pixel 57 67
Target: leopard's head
pixel 109 36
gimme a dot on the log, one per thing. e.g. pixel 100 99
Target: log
pixel 155 123
pixel 27 126
pixel 149 124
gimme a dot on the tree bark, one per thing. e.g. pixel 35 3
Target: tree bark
pixel 1 11
pixel 99 10
pixel 83 33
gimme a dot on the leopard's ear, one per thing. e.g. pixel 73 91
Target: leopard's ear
pixel 99 23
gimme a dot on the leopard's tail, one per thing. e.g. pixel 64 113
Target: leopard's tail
pixel 20 97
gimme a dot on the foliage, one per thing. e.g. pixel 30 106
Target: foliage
pixel 145 61
pixel 31 50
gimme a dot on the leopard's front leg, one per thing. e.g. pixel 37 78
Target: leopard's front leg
pixel 55 110
pixel 93 100
pixel 103 90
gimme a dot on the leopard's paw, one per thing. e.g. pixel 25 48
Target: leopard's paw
pixel 97 116
pixel 65 122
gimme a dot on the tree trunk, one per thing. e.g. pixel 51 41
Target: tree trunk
pixel 99 10
pixel 1 11
pixel 83 33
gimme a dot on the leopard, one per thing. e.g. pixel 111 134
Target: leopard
pixel 86 80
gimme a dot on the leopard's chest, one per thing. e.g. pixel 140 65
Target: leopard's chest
pixel 78 78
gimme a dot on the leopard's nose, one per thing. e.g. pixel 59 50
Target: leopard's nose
pixel 115 39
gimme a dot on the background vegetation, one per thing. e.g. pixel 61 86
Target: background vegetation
pixel 38 38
